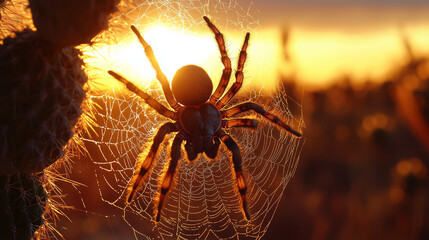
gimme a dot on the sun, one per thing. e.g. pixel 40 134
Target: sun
pixel 177 47
pixel 173 49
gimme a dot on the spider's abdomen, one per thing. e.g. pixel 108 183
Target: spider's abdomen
pixel 191 85
pixel 200 122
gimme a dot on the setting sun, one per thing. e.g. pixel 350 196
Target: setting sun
pixel 317 57
pixel 173 49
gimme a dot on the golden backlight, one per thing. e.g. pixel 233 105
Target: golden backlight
pixel 173 49
pixel 318 57
pixel 176 48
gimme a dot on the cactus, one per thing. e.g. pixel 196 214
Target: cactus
pixel 22 201
pixel 40 95
pixel 71 22
pixel 41 92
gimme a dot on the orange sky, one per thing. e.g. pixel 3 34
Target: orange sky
pixel 356 38
pixel 324 45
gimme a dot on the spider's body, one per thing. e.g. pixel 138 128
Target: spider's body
pixel 201 123
pixel 199 117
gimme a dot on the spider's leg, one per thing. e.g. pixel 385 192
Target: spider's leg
pixel 238 75
pixel 213 150
pixel 190 151
pixel 237 162
pixel 240 122
pixel 226 74
pixel 143 165
pixel 161 109
pixel 260 110
pixel 175 156
pixel 159 74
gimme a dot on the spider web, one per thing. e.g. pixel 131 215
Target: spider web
pixel 188 13
pixel 203 201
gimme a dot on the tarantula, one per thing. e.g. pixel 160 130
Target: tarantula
pixel 198 117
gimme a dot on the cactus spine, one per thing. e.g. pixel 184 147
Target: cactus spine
pixel 42 87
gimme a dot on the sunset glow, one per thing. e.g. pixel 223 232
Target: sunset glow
pixel 173 49
pixel 318 57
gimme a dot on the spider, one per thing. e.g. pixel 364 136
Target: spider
pixel 199 117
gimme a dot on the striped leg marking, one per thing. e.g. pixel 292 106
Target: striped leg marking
pixel 159 74
pixel 260 110
pixel 175 156
pixel 226 74
pixel 161 109
pixel 240 122
pixel 142 168
pixel 237 162
pixel 238 75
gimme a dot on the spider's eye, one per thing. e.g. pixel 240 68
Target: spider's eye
pixel 191 85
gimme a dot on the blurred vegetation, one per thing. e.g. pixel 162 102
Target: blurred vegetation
pixel 363 172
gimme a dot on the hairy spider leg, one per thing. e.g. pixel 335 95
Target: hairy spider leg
pixel 166 183
pixel 260 110
pixel 226 74
pixel 159 74
pixel 142 167
pixel 237 162
pixel 240 122
pixel 238 75
pixel 161 109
